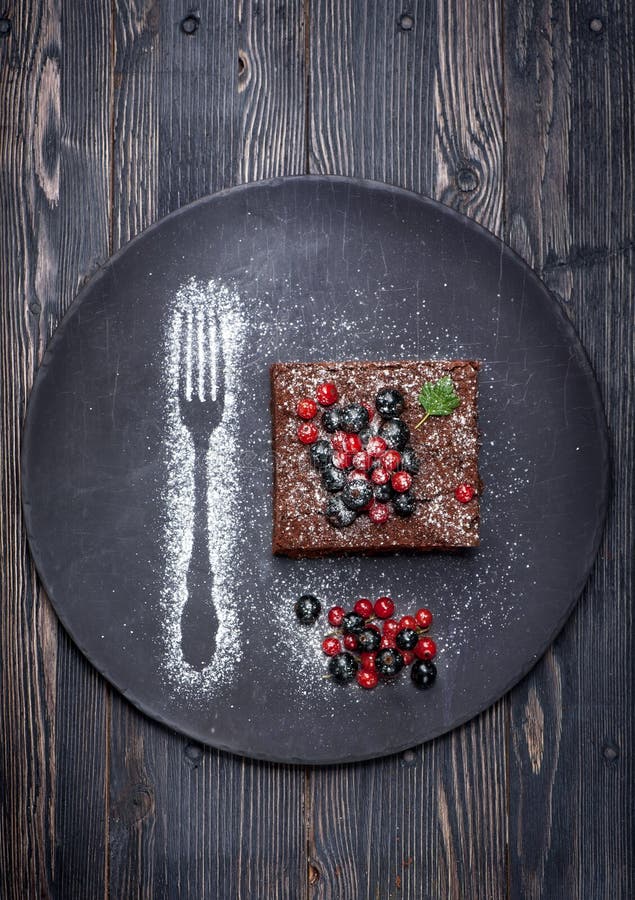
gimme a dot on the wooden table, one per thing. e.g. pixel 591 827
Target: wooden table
pixel 519 113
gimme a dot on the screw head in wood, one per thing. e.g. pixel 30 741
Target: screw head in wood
pixel 190 24
pixel 5 27
pixel 596 25
pixel 406 22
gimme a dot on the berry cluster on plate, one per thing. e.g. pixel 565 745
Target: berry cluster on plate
pixel 364 458
pixel 368 644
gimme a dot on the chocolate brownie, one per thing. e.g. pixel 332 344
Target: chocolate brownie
pixel 443 494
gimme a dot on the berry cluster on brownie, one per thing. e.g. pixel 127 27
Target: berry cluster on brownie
pixel 363 458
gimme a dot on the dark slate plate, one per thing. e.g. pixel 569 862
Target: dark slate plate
pixel 306 269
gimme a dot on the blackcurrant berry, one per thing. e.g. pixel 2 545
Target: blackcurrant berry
pixel 307 609
pixel 383 492
pixel 368 640
pixel 353 623
pixel 338 513
pixel 423 673
pixel 407 639
pixel 354 418
pixel 409 461
pixel 389 403
pixel 404 504
pixel 321 454
pixel 332 419
pixel 333 479
pixel 395 433
pixel 343 667
pixel 389 662
pixel 357 493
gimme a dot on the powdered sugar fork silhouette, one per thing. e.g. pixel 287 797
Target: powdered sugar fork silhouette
pixel 201 404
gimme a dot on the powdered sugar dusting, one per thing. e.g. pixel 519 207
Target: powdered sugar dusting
pixel 183 326
pixel 468 591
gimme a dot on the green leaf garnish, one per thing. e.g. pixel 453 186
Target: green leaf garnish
pixel 438 398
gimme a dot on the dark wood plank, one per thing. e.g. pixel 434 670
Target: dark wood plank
pixel 371 94
pixel 570 192
pixel 54 189
pixel 203 101
pixel 415 101
pixel 182 818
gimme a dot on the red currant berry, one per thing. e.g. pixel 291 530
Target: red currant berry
pixel 338 441
pixel 307 408
pixel 408 657
pixel 380 475
pixel 464 492
pixel 426 648
pixel 342 459
pixel 364 607
pixel 384 607
pixel 401 482
pixel 388 642
pixel 391 460
pixel 368 660
pixel 379 513
pixel 367 679
pixel 335 615
pixel 408 622
pixel 356 475
pixel 362 461
pixel 307 433
pixel 350 642
pixel 390 627
pixel 331 646
pixel 326 393
pixel 374 627
pixel 376 446
pixel 424 618
pixel 353 443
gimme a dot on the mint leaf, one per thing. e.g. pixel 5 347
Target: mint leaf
pixel 438 398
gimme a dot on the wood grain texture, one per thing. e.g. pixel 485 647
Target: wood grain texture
pixel 519 114
pixel 53 158
pixel 570 192
pixel 200 105
pixel 371 91
pixel 421 108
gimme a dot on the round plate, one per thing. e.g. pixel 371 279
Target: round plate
pixel 305 269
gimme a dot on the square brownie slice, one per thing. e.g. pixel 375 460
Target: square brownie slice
pixel 445 447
